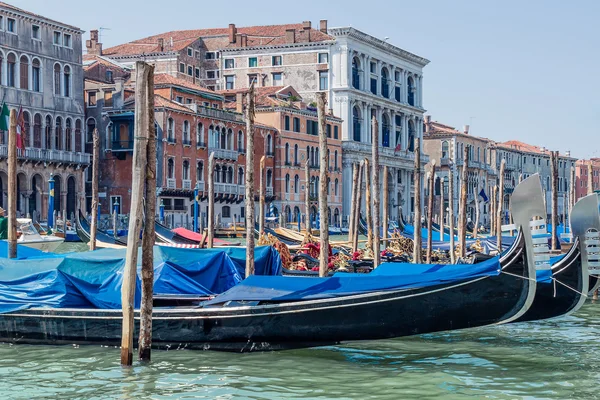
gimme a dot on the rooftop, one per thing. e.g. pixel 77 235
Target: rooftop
pixel 21 11
pixel 164 79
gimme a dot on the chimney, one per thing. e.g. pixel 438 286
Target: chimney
pixel 161 44
pixel 92 45
pixel 323 25
pixel 238 40
pixel 568 153
pixel 466 129
pixel 232 33
pixel 244 40
pixel 119 93
pixel 239 102
pixel 306 25
pixel 290 36
pixel 427 122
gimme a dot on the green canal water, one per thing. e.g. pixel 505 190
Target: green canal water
pixel 556 359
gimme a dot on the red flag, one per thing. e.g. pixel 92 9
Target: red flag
pixel 398 148
pixel 20 129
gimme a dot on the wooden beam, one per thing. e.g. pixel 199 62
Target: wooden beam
pixel 477 206
pixel 95 169
pixel 417 249
pixel 462 206
pixel 451 213
pixel 376 195
pixel 148 236
pixel 500 205
pixel 386 202
pixel 12 185
pixel 211 201
pixel 250 181
pixel 323 172
pixel 261 197
pixel 368 209
pixel 554 183
pixel 136 213
pixel 431 179
pixel 355 170
pixel 307 197
pixel 357 207
pixel 442 210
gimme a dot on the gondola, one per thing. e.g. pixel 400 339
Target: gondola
pixel 83 229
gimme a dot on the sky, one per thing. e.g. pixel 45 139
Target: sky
pixel 522 70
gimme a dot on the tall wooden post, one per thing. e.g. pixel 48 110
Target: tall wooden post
pixel 261 197
pixel 95 167
pixel 386 202
pixel 500 205
pixel 146 86
pixel 554 182
pixel 492 210
pixel 477 208
pixel 137 208
pixel 590 171
pixel 451 213
pixel 323 209
pixel 417 249
pixel 430 186
pixel 442 210
pixel 211 201
pixel 12 185
pixel 357 206
pixel 376 194
pixel 355 170
pixel 368 209
pixel 571 190
pixel 307 197
pixel 250 182
pixel 462 206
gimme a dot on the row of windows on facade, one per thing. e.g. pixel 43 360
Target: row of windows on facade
pixel 314 187
pixel 194 71
pixel 276 61
pixel 386 82
pixel 219 138
pixel 312 127
pixel 27 74
pixel 51 134
pixel 222 173
pixel 209 55
pixel 357 121
pixel 584 171
pixel 276 80
pixel 312 155
pixel 58 38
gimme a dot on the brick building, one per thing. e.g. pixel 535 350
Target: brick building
pixel 41 70
pixel 582 176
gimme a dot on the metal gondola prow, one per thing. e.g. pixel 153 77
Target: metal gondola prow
pixel 585 225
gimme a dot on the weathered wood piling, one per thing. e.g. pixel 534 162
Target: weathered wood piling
pixel 500 205
pixel 357 207
pixel 12 185
pixel 307 198
pixel 261 197
pixel 211 202
pixel 355 170
pixel 250 181
pixel 95 169
pixel 386 203
pixel 368 208
pixel 324 184
pixel 462 205
pixel 430 187
pixel 554 183
pixel 417 249
pixel 376 195
pixel 451 213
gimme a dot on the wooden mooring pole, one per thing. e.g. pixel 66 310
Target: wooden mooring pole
pixel 442 210
pixel 376 195
pixel 211 202
pixel 323 209
pixel 417 243
pixel 430 183
pixel 148 236
pixel 355 170
pixel 307 198
pixel 462 205
pixel 451 213
pixel 95 169
pixel 137 208
pixel 357 206
pixel 12 185
pixel 261 197
pixel 500 205
pixel 368 209
pixel 554 183
pixel 386 202
pixel 250 181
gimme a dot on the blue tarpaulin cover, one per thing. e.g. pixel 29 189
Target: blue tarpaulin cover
pixel 94 279
pixel 386 277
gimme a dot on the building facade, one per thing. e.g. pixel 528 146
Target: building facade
pixel 582 187
pixel 41 72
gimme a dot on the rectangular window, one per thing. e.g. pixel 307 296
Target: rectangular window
pixel 252 79
pixel 209 55
pixel 56 38
pixel 296 124
pixel 229 63
pixel 182 68
pixel 374 85
pixel 210 75
pixel 188 101
pixel 328 130
pixel 35 32
pixel 335 132
pixel 190 52
pixel 1 23
pixel 229 82
pixel 206 104
pixel 287 123
pixel 108 100
pixel 276 60
pixel 373 67
pixel 277 80
pixel 11 25
pixel 253 62
pixel 197 73
pixel 197 54
pixel 190 70
pixel 215 105
pixel 323 58
pixel 179 99
pixel 67 40
pixel 323 80
pixel 91 99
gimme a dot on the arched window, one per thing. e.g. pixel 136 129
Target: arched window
pixel 269 145
pixel 411 90
pixel 308 156
pixel 91 125
pixel 356 124
pixel 200 171
pixel 328 159
pixel 230 175
pixel 240 142
pixel 240 176
pixel 25 135
pixel 335 154
pixel 78 135
pixel 226 212
pixel 224 174
pixel 171 169
pixel 217 173
pixel 58 134
pixel 223 139
pixel 296 184
pixel 170 130
pixel 186 170
pixel 385 85
pixel 199 134
pixel 356 73
pixel 229 139
pixel 336 217
pixel 317 160
pixel 67 81
pixel 37 131
pixel 186 132
pixel 24 72
pixel 445 149
pixel 335 187
pixel 36 75
pixel 295 154
pixel 269 178
pixel 287 183
pixel 68 137
pixel 478 154
pixel 57 79
pixel 411 135
pixel 287 154
pixel 328 185
pixel 385 131
pixel 11 70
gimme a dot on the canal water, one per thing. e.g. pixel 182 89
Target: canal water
pixel 558 359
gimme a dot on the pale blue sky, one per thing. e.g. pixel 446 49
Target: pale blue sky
pixel 526 70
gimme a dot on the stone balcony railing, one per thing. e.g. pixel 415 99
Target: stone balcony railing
pixel 228 188
pixel 47 155
pixel 222 153
pixel 170 183
pixel 187 184
pixel 269 191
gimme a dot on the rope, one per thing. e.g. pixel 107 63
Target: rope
pixel 519 276
pixel 569 287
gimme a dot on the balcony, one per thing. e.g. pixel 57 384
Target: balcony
pixel 223 154
pixel 226 188
pixel 445 161
pixel 170 183
pixel 186 142
pixel 45 155
pixel 219 114
pixel 175 207
pixel 122 145
pixel 200 145
pixel 187 184
pixel 171 140
pixel 200 186
pixel 269 191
